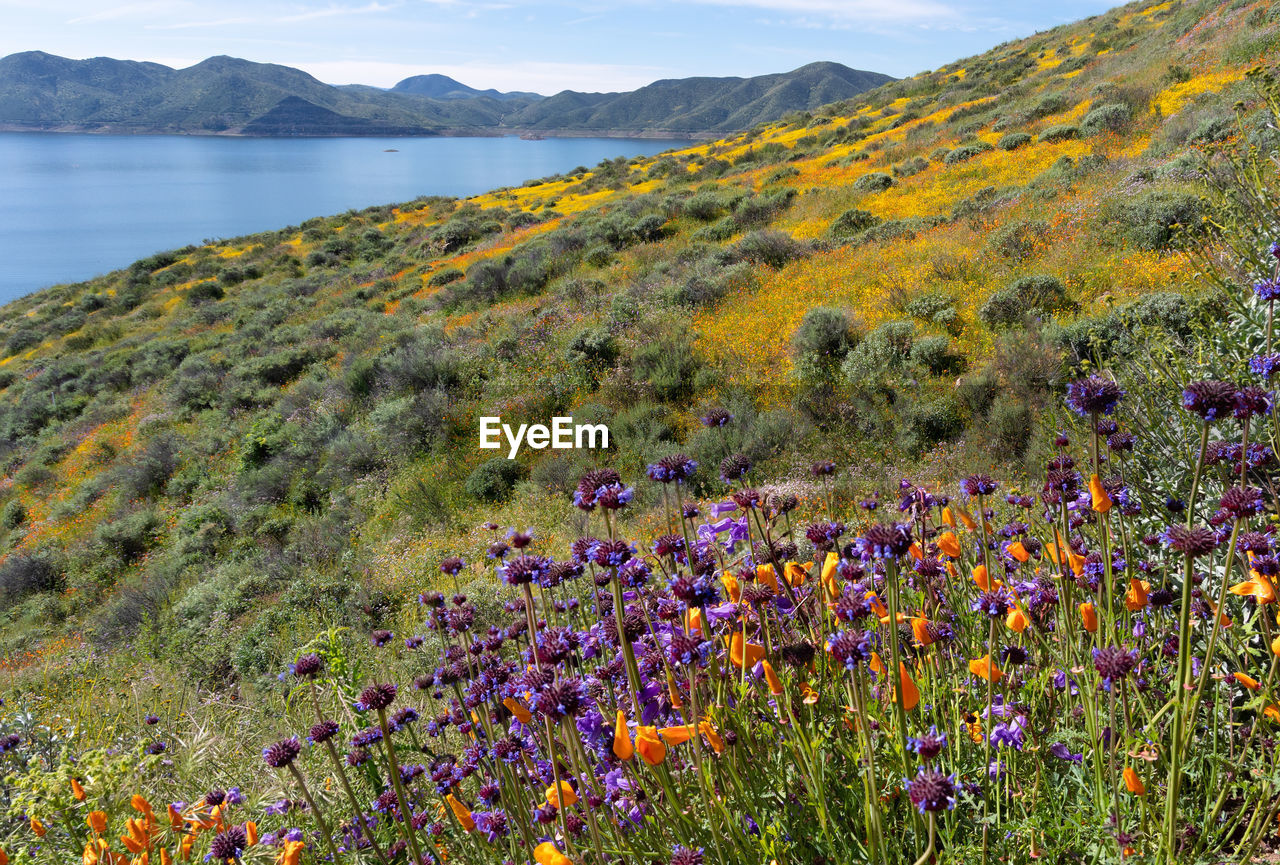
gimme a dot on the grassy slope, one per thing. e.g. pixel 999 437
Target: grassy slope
pixel 215 452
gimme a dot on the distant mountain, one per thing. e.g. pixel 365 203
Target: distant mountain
pixel 226 95
pixel 444 87
pixel 691 105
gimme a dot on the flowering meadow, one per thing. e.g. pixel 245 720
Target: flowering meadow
pixel 1083 669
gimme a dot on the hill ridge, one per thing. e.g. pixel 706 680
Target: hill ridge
pixel 228 95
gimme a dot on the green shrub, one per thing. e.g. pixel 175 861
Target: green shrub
pixel 874 181
pixel 852 222
pixel 13 515
pixel 445 276
pixel 600 255
pixel 1112 117
pixel 965 152
pixel 1155 219
pixel 1017 240
pixel 668 364
pixel 709 282
pixel 594 346
pixel 493 480
pixel 883 350
pixel 910 167
pixel 1013 140
pixel 716 232
pixel 23 574
pixel 1011 422
pixel 1059 133
pixel 927 421
pixel 772 248
pixel 1027 296
pixel 934 354
pixel 704 207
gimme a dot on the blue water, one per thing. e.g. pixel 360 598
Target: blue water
pixel 74 206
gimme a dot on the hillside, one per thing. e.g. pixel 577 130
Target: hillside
pixel 227 455
pixel 182 436
pixel 225 95
pixel 963 377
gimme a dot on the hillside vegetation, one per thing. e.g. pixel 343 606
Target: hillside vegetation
pixel 224 450
pixel 294 415
pixel 963 378
pixel 226 95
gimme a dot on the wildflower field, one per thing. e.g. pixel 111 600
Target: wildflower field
pixel 940 523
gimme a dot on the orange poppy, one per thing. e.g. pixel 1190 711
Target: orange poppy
pixel 948 518
pixel 1247 681
pixel 38 827
pixel 251 832
pixel 877 605
pixel 829 566
pixel 1101 501
pixel 622 739
pixel 1136 598
pixel 547 854
pixel 731 586
pixel 462 812
pixel 1017 620
pixel 290 853
pixel 522 714
pixel 920 630
pixel 1257 587
pixel 676 735
pixel 693 620
pixel 966 519
pixel 1132 782
pixel 1090 617
pixel 765 576
pixel 649 746
pixel 796 573
pixel 565 797
pixel 985 668
pixel 949 544
pixel 877 666
pixel 740 650
pixel 97 821
pixel 980 577
pixel 674 691
pixel 713 737
pixel 77 791
pixel 908 693
pixel 775 684
pixel 1018 551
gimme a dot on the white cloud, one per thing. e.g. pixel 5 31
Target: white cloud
pixel 849 10
pixel 190 25
pixel 129 10
pixel 331 11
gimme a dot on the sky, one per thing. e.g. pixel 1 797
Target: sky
pixel 539 46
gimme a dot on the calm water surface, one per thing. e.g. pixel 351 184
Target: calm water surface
pixel 75 206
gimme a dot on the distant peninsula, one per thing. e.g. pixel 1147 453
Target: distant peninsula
pixel 42 92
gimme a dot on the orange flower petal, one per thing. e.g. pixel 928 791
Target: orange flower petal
pixel 622 739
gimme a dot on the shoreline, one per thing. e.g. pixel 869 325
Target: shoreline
pixel 523 133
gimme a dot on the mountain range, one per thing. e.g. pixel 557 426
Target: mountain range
pixel 227 95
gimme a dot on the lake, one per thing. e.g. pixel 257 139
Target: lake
pixel 74 206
